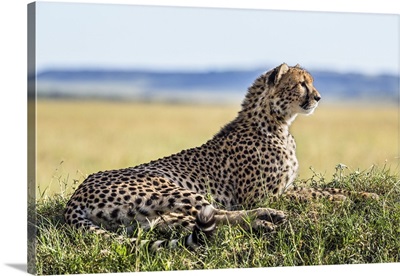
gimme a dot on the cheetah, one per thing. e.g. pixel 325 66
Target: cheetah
pixel 220 182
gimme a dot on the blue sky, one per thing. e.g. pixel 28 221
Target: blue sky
pixel 169 38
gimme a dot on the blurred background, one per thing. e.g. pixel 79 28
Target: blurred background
pixel 119 85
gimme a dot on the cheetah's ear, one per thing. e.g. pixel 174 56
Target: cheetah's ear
pixel 278 72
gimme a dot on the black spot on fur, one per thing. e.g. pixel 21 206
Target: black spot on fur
pixel 138 201
pixel 148 202
pixel 114 213
pixel 171 202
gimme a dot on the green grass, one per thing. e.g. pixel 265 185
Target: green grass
pixel 316 233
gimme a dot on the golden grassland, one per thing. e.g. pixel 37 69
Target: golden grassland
pixel 77 138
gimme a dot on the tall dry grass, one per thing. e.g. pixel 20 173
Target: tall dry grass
pixel 76 138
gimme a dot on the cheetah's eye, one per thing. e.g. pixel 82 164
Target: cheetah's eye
pixel 304 85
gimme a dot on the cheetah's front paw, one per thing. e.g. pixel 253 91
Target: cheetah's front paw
pixel 369 195
pixel 263 225
pixel 270 215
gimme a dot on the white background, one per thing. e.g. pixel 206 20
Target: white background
pixel 13 125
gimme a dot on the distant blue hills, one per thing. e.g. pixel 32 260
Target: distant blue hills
pixel 210 86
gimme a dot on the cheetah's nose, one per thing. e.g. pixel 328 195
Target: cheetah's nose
pixel 317 98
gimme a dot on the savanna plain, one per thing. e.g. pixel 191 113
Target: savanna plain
pixel 346 146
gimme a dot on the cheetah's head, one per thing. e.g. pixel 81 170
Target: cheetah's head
pixel 288 91
pixel 282 93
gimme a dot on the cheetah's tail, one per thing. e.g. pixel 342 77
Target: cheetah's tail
pixel 204 228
